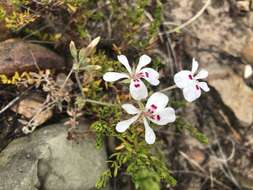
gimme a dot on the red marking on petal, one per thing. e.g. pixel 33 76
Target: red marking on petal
pixel 137 85
pixel 154 106
pixel 190 77
pixel 158 117
pixel 146 73
pixel 197 87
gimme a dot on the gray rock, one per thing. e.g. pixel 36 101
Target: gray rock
pixel 46 160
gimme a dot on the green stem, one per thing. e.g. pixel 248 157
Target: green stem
pixel 79 84
pixel 168 88
pixel 100 103
pixel 67 78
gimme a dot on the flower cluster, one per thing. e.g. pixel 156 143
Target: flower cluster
pixel 155 110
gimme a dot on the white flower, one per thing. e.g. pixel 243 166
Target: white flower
pixel 188 81
pixel 155 111
pixel 138 90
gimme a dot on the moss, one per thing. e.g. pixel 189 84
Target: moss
pixel 13 80
pixel 17 20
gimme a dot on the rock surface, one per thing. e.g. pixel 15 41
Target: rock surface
pixel 32 107
pixel 47 160
pixel 233 91
pixel 18 55
pixel 223 33
pixel 247 51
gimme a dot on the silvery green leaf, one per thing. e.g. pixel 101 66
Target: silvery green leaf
pixel 72 48
pixel 92 67
pixel 82 55
pixel 90 49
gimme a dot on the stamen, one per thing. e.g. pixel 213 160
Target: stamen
pixel 190 77
pixel 137 76
pixel 146 73
pixel 197 87
pixel 158 117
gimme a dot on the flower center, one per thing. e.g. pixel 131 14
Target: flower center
pixel 139 75
pixel 150 113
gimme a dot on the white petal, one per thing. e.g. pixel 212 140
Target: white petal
pixel 122 126
pixel 123 59
pixel 143 61
pixel 164 116
pixel 157 101
pixel 130 109
pixel 138 90
pixel 202 74
pixel 151 75
pixel 191 92
pixel 204 86
pixel 195 65
pixel 183 78
pixel 114 76
pixel 149 133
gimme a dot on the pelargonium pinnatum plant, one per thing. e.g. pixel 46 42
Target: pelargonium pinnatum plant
pixel 155 109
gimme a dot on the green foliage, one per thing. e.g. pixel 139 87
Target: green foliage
pixel 182 124
pixel 103 180
pixel 2 13
pixel 20 2
pixel 17 20
pixel 106 112
pixel 157 19
pixel 148 171
pixel 107 64
pixel 100 129
pixel 178 104
pixel 146 179
pixel 81 56
pixel 129 17
pixel 146 168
